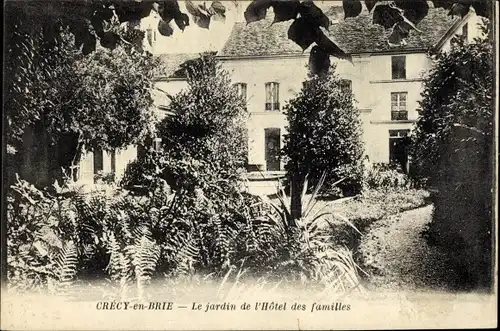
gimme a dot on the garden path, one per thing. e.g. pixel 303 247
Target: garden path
pixel 398 258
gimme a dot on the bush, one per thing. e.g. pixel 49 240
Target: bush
pixel 324 135
pixel 58 242
pixel 383 176
pixel 206 138
pixel 453 152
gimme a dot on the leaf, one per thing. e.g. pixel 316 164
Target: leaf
pixel 352 8
pixel 131 11
pixel 97 25
pixel 446 4
pixel 169 10
pixel 106 14
pixel 165 29
pixel 109 39
pixel 202 21
pixel 218 11
pixel 370 4
pixel 415 11
pixel 182 21
pixel 331 48
pixel 398 35
pixel 285 10
pixel 80 30
pixel 201 15
pixel 257 10
pixel 314 15
pixel 387 16
pixel 89 44
pixel 191 8
pixel 482 8
pixel 302 33
pixel 319 61
pixel 459 9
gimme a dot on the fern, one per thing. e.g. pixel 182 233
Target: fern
pixel 146 255
pixel 186 257
pixel 66 264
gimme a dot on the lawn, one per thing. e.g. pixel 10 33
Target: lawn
pixel 373 205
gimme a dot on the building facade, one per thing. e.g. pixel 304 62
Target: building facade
pixel 269 69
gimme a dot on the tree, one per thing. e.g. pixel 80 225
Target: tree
pixel 68 101
pixel 324 135
pixel 208 130
pixel 453 153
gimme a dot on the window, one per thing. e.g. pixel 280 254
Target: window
pixel 346 86
pixel 113 161
pixel 398 106
pixel 157 144
pixel 149 36
pixel 272 148
pixel 272 96
pixel 98 162
pixel 399 67
pixel 465 31
pixel 242 90
pixel 399 133
pixel 398 149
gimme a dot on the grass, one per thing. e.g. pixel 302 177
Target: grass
pixel 366 209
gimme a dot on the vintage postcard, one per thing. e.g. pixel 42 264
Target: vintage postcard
pixel 265 164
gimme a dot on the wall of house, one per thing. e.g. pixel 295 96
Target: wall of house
pixel 86 170
pixel 473 22
pixel 164 87
pixel 372 85
pixel 374 93
pixel 170 86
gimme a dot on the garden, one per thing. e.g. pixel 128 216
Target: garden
pixel 178 222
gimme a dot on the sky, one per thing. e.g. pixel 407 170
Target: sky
pixel 195 39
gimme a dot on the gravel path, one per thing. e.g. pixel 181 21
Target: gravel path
pixel 398 258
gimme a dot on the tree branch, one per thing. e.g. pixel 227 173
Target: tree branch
pixel 472 129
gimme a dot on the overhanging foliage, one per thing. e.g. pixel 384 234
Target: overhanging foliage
pixel 87 19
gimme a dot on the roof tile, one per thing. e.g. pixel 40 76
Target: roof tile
pixel 353 35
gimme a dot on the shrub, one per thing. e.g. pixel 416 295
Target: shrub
pixel 66 239
pixel 382 176
pixel 324 134
pixel 310 251
pixel 206 138
pixel 453 151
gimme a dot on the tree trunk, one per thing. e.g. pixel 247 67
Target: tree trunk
pixel 65 154
pixel 295 199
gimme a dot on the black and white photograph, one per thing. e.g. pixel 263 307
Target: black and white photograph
pixel 263 164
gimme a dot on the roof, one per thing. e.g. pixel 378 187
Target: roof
pixel 171 65
pixel 354 35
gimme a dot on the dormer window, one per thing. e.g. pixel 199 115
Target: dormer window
pixel 399 67
pixel 272 96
